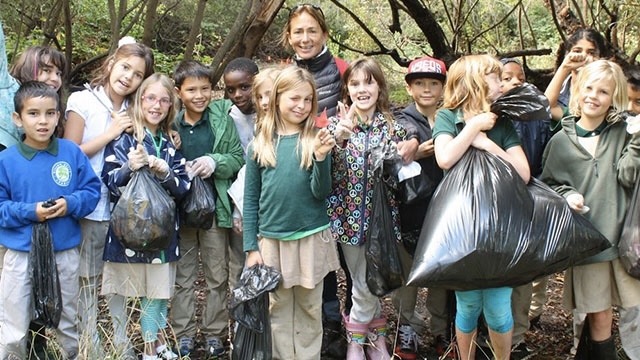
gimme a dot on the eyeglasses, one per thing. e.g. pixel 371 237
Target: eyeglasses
pixel 309 7
pixel 152 100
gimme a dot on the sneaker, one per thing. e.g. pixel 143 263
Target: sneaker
pixel 406 343
pixel 521 352
pixel 215 347
pixel 166 354
pixel 444 348
pixel 534 323
pixel 184 346
pixel 331 330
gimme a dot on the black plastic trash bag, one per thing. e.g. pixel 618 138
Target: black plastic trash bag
pixel 250 308
pixel 416 189
pixel 144 216
pixel 46 299
pixel 384 269
pixel 485 228
pixel 629 245
pixel 523 103
pixel 198 208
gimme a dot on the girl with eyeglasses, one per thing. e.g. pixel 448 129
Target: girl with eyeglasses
pixel 149 275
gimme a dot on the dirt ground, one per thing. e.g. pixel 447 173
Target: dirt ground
pixel 551 340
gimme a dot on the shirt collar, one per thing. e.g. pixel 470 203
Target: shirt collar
pixel 28 152
pixel 203 120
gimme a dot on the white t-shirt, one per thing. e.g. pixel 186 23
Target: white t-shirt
pixel 97 118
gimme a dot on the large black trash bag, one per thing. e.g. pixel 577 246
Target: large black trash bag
pixel 250 308
pixel 46 299
pixel 523 103
pixel 485 228
pixel 629 245
pixel 384 269
pixel 198 208
pixel 144 216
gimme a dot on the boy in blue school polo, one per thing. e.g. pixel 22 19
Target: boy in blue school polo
pixel 38 169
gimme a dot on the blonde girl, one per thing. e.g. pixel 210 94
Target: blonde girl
pixel 262 88
pixel 464 121
pixel 364 123
pixel 593 162
pixel 96 116
pixel 288 177
pixel 149 275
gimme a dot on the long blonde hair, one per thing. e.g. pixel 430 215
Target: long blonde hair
pixel 600 70
pixel 265 142
pixel 267 75
pixel 137 114
pixel 466 86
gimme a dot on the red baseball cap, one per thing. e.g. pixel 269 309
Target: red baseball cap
pixel 426 67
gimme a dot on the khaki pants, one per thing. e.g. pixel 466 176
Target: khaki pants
pixel 538 296
pixel 220 251
pixel 296 322
pixel 520 303
pixel 15 303
pixel 404 298
pixel 366 306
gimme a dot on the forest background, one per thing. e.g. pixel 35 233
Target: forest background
pixel 393 31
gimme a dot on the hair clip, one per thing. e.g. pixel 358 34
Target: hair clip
pixel 126 40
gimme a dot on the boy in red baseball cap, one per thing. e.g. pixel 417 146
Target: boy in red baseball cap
pixel 425 82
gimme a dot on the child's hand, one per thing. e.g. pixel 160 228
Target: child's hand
pixel 204 166
pixel 573 60
pixel 237 225
pixel 484 121
pixel 159 167
pixel 323 144
pixel 175 138
pixel 576 202
pixel 253 257
pixel 425 150
pixel 347 120
pixel 137 158
pixel 407 150
pixel 120 122
pixel 46 210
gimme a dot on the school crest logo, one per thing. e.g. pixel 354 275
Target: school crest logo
pixel 61 173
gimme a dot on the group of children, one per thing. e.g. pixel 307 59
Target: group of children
pixel 129 118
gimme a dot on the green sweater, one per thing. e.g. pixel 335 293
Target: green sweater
pixel 605 181
pixel 228 155
pixel 284 200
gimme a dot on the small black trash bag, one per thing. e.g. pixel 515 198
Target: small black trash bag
pixel 629 245
pixel 198 208
pixel 250 308
pixel 144 216
pixel 46 299
pixel 384 269
pixel 485 228
pixel 523 103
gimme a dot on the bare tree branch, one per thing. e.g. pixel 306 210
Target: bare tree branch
pixel 498 23
pixel 554 16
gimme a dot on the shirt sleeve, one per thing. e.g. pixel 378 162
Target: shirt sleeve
pixel 445 123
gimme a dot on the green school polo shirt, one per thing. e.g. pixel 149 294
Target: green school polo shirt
pixel 197 139
pixel 451 122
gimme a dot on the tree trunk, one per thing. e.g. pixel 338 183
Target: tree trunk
pixel 68 33
pixel 195 30
pixel 245 35
pixel 148 32
pixel 427 22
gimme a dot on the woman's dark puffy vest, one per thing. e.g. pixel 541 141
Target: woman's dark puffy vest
pixel 327 77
